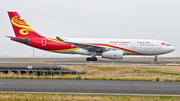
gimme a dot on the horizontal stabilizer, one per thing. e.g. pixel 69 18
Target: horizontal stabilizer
pixel 25 40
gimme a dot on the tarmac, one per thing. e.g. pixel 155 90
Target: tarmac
pixel 97 87
pixel 55 64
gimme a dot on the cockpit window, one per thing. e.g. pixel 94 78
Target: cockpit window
pixel 168 44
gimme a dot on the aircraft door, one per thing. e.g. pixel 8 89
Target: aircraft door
pixel 158 44
pixel 133 44
pixel 43 42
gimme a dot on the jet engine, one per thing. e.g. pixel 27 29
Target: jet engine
pixel 116 54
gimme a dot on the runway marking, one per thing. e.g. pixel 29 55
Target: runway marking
pixel 104 94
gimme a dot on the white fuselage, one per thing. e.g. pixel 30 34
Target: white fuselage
pixel 128 46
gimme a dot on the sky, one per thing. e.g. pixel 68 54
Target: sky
pixel 128 19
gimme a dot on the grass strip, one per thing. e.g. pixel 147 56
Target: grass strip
pixel 84 78
pixel 160 72
pixel 60 97
pixel 110 72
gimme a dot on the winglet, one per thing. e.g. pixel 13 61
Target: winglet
pixel 58 38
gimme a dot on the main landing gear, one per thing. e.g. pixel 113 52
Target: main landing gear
pixel 91 59
pixel 93 56
pixel 155 59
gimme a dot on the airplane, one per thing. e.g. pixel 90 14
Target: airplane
pixel 107 48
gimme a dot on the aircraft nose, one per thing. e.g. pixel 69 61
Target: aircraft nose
pixel 173 48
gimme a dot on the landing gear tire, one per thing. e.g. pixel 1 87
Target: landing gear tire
pixel 88 59
pixel 94 59
pixel 155 60
pixel 91 59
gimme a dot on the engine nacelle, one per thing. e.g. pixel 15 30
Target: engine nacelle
pixel 117 54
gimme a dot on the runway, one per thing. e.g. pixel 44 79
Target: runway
pixel 90 86
pixel 72 63
pixel 3 64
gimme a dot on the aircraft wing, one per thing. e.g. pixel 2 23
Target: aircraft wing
pixel 84 45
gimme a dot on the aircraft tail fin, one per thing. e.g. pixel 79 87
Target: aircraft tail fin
pixel 21 28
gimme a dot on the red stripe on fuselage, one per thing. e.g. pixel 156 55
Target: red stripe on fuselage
pixel 105 45
pixel 55 45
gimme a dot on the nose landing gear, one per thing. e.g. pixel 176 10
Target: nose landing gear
pixel 155 59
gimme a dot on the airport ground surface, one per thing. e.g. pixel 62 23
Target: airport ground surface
pixel 129 68
pixel 90 86
pixel 54 62
pixel 125 59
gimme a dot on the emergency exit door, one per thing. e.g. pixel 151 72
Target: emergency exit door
pixel 133 44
